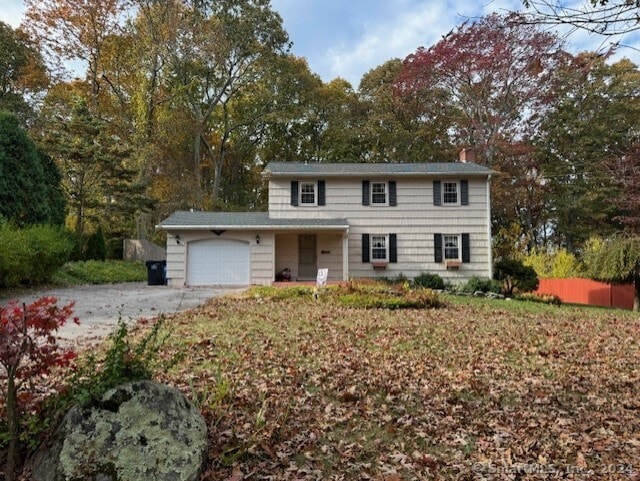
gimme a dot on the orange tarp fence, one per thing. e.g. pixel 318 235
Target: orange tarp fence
pixel 586 291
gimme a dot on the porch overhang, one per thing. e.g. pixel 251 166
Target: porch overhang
pixel 246 221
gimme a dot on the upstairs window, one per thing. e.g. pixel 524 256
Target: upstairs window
pixel 450 193
pixel 308 193
pixel 378 193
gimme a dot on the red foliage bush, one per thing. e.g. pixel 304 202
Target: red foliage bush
pixel 28 348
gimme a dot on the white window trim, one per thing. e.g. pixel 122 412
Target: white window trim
pixel 386 246
pixel 386 195
pixel 458 194
pixel 315 194
pixel 444 247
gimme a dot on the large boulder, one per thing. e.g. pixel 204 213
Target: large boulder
pixel 138 431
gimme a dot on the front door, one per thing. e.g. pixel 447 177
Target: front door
pixel 307 257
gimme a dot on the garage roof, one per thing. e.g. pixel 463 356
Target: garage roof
pixel 297 169
pixel 243 220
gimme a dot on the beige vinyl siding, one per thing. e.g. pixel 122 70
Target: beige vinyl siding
pixel 261 262
pixel 415 220
pixel 262 258
pixel 331 258
pixel 287 253
pixel 329 253
pixel 176 261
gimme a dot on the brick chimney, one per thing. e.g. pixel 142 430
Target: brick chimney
pixel 467 155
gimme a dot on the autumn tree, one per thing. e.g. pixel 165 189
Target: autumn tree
pixel 391 132
pixel 496 78
pixel 138 68
pixel 336 123
pixel 625 170
pixel 22 73
pixel 248 128
pixel 290 133
pixel 586 144
pixel 221 47
pixel 499 75
pixel 69 30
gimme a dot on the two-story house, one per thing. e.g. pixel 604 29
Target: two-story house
pixel 356 220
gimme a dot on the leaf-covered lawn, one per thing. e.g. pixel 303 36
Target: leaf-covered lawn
pixel 301 389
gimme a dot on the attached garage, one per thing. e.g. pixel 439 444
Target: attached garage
pixel 214 262
pixel 239 248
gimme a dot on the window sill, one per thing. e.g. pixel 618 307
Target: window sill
pixel 452 265
pixel 379 265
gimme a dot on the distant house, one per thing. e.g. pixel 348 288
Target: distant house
pixel 357 220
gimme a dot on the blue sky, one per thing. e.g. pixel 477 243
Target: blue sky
pixel 347 38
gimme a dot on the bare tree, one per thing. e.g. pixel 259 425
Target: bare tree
pixel 604 17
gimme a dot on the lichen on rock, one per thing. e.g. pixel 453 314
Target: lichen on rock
pixel 138 431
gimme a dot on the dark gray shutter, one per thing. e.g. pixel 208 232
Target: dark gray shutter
pixel 392 194
pixel 294 192
pixel 393 248
pixel 466 254
pixel 365 192
pixel 321 193
pixel 437 193
pixel 437 247
pixel 464 192
pixel 365 247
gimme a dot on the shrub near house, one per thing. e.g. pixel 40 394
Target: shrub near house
pixel 515 276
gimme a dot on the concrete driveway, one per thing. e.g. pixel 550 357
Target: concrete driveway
pixel 100 307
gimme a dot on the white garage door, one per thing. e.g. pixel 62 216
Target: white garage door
pixel 218 262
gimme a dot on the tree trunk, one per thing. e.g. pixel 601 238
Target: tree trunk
pixel 79 219
pixel 196 165
pixel 12 421
pixel 217 168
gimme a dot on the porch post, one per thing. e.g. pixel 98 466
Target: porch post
pixel 345 256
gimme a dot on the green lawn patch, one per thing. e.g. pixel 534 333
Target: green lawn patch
pixel 100 272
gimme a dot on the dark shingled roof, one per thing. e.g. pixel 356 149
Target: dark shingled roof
pixel 297 169
pixel 247 220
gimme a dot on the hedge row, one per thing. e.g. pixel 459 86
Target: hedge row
pixel 31 255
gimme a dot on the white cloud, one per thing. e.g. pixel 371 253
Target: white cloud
pixel 399 27
pixel 396 34
pixel 11 12
pixel 398 30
